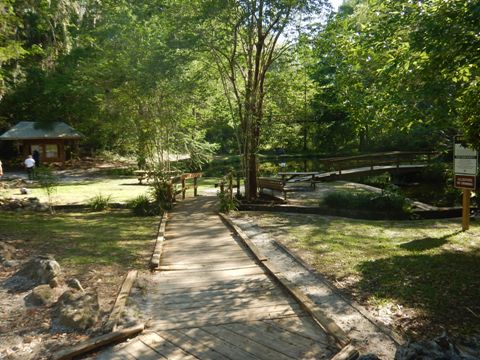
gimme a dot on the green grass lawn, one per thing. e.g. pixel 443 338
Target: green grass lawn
pixel 83 238
pixel 429 267
pixel 119 190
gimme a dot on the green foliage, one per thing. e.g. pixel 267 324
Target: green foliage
pixel 160 193
pixel 227 203
pixel 390 68
pixel 386 201
pixel 99 202
pixel 143 206
pixel 437 173
pixel 381 181
pixel 48 181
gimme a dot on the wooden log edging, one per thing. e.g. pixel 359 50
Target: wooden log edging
pixel 439 213
pixel 121 300
pixel 157 252
pixel 97 342
pixel 327 324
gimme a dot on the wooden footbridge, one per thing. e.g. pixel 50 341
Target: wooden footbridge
pixel 394 162
pixel 214 296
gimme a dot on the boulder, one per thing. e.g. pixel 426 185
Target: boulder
pixel 37 271
pixel 77 310
pixel 42 295
pixel 440 348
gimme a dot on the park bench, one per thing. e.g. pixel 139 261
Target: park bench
pixel 142 175
pixel 274 185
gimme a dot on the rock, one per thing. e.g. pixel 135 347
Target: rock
pixel 441 348
pixel 77 310
pixel 24 191
pixel 37 271
pixel 54 283
pixel 75 284
pixel 10 263
pixel 42 295
pixel 369 357
pixel 6 252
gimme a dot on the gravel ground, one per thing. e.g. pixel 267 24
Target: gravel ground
pixel 352 318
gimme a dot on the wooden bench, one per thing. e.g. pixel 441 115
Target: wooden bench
pixel 273 184
pixel 142 175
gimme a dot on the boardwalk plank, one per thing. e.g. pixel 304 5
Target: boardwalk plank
pixel 232 306
pixel 165 347
pixel 199 350
pixel 141 351
pixel 282 342
pixel 258 350
pixel 230 351
pixel 194 276
pixel 208 299
pixel 221 318
pixel 302 325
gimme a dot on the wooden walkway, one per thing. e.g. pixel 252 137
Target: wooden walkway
pixel 211 300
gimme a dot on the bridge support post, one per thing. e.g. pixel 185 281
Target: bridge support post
pixel 466 210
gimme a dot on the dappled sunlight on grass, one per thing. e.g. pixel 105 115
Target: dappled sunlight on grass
pixel 83 238
pixel 429 266
pixel 81 191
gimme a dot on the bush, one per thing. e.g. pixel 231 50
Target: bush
pixel 99 202
pixel 437 173
pixel 387 201
pixel 381 181
pixel 227 203
pixel 143 206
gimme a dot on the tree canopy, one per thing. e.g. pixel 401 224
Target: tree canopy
pixel 245 76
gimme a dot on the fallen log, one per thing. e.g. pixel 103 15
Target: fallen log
pixel 97 342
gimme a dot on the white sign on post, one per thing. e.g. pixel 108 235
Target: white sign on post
pixel 465 160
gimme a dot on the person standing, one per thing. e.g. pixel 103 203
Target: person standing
pixel 36 157
pixel 1 169
pixel 30 166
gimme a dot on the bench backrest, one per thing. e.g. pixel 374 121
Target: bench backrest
pixel 270 184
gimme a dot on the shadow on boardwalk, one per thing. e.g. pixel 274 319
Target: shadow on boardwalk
pixel 213 301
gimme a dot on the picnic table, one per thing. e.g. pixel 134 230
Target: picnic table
pixel 298 176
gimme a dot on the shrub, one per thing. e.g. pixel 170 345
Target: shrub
pixel 386 201
pixel 99 202
pixel 143 206
pixel 227 203
pixel 380 181
pixel 48 181
pixel 437 173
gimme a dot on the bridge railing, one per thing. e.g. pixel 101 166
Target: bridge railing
pixel 229 182
pixel 184 186
pixel 378 159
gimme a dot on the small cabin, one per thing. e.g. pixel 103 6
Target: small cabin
pixel 53 143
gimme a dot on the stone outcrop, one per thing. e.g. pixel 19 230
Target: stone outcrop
pixel 42 295
pixel 24 204
pixel 441 348
pixel 77 310
pixel 37 271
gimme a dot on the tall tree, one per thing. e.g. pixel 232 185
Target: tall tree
pixel 245 37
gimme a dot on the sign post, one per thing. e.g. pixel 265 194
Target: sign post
pixel 465 168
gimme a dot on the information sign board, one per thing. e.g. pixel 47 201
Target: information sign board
pixel 465 159
pixel 465 182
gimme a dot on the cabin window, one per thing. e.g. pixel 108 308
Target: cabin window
pixel 51 151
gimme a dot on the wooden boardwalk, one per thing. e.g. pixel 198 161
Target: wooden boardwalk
pixel 211 300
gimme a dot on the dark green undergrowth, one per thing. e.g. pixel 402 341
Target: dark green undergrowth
pixel 142 205
pixel 387 201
